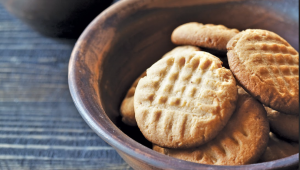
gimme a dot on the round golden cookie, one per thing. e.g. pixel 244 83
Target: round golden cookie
pixel 278 148
pixel 242 141
pixel 127 109
pixel 208 35
pixel 185 99
pixel 286 126
pixel 267 67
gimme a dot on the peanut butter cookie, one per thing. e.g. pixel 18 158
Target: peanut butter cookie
pixel 127 109
pixel 208 35
pixel 267 67
pixel 284 125
pixel 185 99
pixel 278 148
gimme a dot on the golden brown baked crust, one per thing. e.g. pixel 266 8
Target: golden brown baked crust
pixel 127 109
pixel 286 126
pixel 278 148
pixel 242 141
pixel 158 149
pixel 180 49
pixel 185 100
pixel 267 67
pixel 208 35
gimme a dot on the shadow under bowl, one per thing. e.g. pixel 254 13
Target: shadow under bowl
pixel 130 36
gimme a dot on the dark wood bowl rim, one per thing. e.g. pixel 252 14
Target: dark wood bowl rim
pixel 111 134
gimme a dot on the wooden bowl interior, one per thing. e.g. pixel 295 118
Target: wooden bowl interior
pixel 130 36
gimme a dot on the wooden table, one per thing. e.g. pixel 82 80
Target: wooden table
pixel 40 128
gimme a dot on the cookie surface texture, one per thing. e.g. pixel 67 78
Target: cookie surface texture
pixel 278 148
pixel 242 141
pixel 267 67
pixel 208 35
pixel 284 125
pixel 127 109
pixel 185 100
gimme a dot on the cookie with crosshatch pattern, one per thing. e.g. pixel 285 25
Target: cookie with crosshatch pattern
pixel 185 99
pixel 267 67
pixel 127 109
pixel 242 141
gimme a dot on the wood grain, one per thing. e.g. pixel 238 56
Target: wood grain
pixel 40 128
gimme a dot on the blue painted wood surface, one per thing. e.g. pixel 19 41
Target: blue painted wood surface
pixel 40 127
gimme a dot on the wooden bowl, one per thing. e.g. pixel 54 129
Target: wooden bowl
pixel 130 36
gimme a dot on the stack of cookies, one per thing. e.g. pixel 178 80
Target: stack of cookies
pixel 192 108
